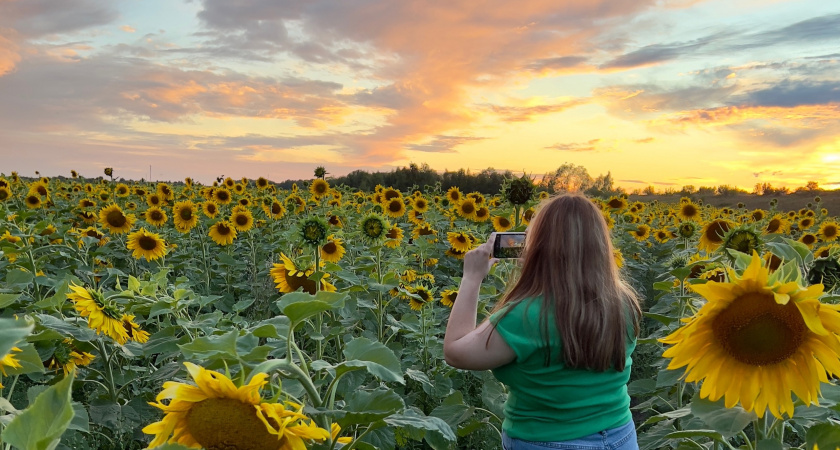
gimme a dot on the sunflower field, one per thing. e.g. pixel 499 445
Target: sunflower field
pixel 242 316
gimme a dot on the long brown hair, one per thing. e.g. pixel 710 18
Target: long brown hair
pixel 568 263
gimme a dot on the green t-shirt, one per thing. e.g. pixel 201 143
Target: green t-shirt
pixel 555 403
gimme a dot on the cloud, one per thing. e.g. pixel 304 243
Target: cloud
pixel 588 146
pixel 38 18
pixel 528 113
pixel 646 140
pixel 128 28
pixel 633 181
pixel 653 54
pixel 558 63
pixel 9 55
pixel 443 144
pixel 790 93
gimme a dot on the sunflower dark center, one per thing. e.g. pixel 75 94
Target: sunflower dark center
pixel 774 225
pixel 461 239
pixel 392 234
pixel 504 222
pixel 154 200
pixel 809 239
pixel 395 206
pixel 468 208
pixel 185 214
pixel 830 231
pixel 420 204
pixel 389 194
pixel 615 203
pixel 756 330
pixel 222 195
pixel 716 231
pixel 241 220
pixel 4 194
pixel 211 209
pixel 115 218
pixel 482 212
pixel 276 208
pixel 147 243
pixel 223 229
pixel 156 215
pixel 330 247
pixel 425 231
pixel 228 424
pixel 33 200
pixel 689 210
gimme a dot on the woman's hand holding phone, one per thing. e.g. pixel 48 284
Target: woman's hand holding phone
pixel 478 261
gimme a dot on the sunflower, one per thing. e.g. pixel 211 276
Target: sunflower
pixel 333 249
pixel 154 199
pixel 335 221
pixel 92 232
pixel 133 330
pixel 502 223
pixel 777 224
pixel 32 201
pixel 808 239
pixel 422 296
pixel 222 232
pixel 146 245
pixel 5 193
pixel 618 203
pixel 319 188
pixel 102 315
pixel 743 239
pixel 618 258
pixel 455 253
pixel 415 217
pixel 295 203
pixel 641 233
pixel 262 183
pixel 314 231
pixel 112 218
pixel 210 209
pixel 374 227
pixel 394 207
pixel 686 230
pixel 689 211
pixel 275 210
pixel 156 216
pixel 185 216
pixel 482 214
pixel 467 208
pixel 242 219
pixel 393 237
pixel 527 215
pixel 662 235
pixel 215 413
pixel 460 241
pixel 828 231
pixel 289 278
pixel 770 334
pixel 757 215
pixel 9 360
pixel 448 297
pixel 222 196
pixel 420 204
pixel 67 357
pixel 711 236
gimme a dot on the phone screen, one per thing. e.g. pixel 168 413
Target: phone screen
pixel 508 245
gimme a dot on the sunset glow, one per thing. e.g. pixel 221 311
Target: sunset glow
pixel 658 92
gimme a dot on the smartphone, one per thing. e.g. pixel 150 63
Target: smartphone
pixel 508 245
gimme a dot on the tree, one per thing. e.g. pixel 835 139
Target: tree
pixel 568 178
pixel 320 172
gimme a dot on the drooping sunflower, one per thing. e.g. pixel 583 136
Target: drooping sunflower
pixel 156 216
pixel 711 236
pixel 422 296
pixel 394 207
pixel 103 316
pixel 242 219
pixel 215 413
pixel 185 216
pixel 394 237
pixel 502 223
pixel 222 232
pixel 319 188
pixel 134 332
pixel 114 220
pixel 448 297
pixel 146 245
pixel 222 196
pixel 67 357
pixel 828 231
pixel 333 250
pixel 770 335
pixel 289 278
pixel 374 227
pixel 460 241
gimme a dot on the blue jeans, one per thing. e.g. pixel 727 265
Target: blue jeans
pixel 620 438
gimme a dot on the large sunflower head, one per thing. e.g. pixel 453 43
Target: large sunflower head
pixel 216 414
pixel 103 315
pixel 185 216
pixel 771 335
pixel 314 231
pixel 467 208
pixel 144 244
pixel 829 231
pixel 420 204
pixel 289 278
pixel 222 232
pixel 374 227
pixel 689 211
pixel 156 216
pixel 112 218
pixel 242 219
pixel 711 236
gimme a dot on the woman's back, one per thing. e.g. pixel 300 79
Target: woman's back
pixel 555 402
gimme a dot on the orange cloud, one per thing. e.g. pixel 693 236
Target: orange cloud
pixel 9 56
pixel 802 116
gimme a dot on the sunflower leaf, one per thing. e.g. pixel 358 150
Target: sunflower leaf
pixel 437 433
pixel 374 357
pixel 726 421
pixel 40 426
pixel 11 332
pixel 299 306
pixel 824 435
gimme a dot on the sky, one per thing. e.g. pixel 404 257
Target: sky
pixel 665 93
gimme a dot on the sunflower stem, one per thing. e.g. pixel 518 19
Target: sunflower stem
pixel 747 440
pixel 352 444
pixel 112 391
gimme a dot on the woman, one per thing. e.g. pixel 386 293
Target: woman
pixel 560 338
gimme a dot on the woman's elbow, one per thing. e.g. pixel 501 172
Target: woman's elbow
pixel 452 356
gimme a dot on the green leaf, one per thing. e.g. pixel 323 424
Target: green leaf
pixel 438 434
pixel 373 356
pixel 711 434
pixel 769 444
pixel 215 346
pixel 80 421
pixel 19 278
pixel 8 299
pixel 726 421
pixel 298 306
pixel 824 435
pixel 453 411
pixel 11 332
pixel 30 361
pixel 667 378
pixel 641 387
pixel 364 407
pixel 40 426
